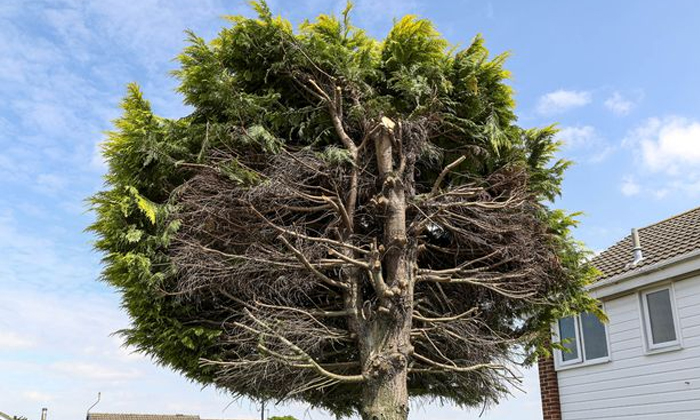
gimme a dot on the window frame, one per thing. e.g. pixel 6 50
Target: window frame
pixel 581 360
pixel 649 345
pixel 579 347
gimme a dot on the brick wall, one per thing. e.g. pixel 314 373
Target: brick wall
pixel 549 388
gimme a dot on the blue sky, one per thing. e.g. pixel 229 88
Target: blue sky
pixel 620 78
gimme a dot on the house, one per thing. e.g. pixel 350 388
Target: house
pixel 645 362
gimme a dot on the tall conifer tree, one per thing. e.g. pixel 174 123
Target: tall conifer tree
pixel 341 221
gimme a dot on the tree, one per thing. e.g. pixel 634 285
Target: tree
pixel 339 221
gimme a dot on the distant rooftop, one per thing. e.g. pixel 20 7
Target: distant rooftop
pixel 669 238
pixel 122 416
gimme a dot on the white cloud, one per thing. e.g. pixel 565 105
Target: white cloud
pixel 578 136
pixel 81 357
pixel 562 100
pixel 583 141
pixel 12 341
pixel 37 396
pixel 630 187
pixel 95 371
pixel 660 193
pixel 669 145
pixel 154 29
pixel 667 153
pixel 38 257
pixel 618 104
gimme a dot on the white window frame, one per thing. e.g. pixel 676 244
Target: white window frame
pixel 650 347
pixel 581 360
pixel 579 352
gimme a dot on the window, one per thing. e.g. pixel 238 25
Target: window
pixel 568 334
pixel 660 318
pixel 595 341
pixel 585 339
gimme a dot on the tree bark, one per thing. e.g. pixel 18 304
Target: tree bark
pixel 386 401
pixel 385 396
pixel 386 345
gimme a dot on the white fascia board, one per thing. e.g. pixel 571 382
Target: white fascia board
pixel 680 266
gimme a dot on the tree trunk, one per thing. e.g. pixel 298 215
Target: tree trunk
pixel 385 397
pixel 386 343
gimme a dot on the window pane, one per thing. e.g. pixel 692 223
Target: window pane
pixel 661 316
pixel 567 332
pixel 595 343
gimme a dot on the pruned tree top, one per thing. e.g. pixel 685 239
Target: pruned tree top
pixel 342 221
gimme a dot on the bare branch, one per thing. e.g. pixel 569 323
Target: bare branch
pixel 418 316
pixel 444 172
pixel 307 358
pixel 310 266
pixel 460 369
pixel 308 238
pixel 345 258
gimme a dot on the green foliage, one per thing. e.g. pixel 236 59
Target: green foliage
pixel 335 155
pixel 262 138
pixel 541 148
pixel 245 97
pixel 282 418
pixel 566 298
pixel 342 47
pixel 134 233
pixel 413 42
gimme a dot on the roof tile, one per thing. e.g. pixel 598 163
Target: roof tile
pixel 661 241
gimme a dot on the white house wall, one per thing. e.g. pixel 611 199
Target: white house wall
pixel 636 385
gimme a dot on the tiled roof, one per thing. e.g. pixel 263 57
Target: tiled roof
pixel 120 416
pixel 661 241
